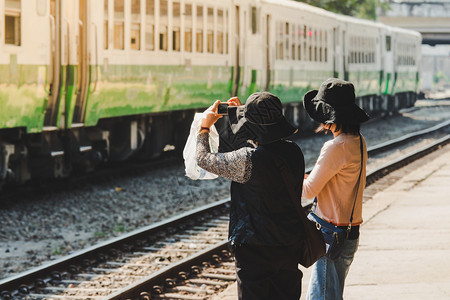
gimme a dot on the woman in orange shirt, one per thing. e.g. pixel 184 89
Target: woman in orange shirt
pixel 337 180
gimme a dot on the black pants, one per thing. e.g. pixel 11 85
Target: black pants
pixel 268 273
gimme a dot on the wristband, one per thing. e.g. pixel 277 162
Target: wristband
pixel 204 128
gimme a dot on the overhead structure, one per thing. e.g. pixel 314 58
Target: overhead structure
pixel 430 18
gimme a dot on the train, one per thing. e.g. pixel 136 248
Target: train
pixel 84 82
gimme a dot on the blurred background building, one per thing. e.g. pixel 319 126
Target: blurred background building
pixel 432 19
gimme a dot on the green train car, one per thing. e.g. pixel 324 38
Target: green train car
pixel 83 82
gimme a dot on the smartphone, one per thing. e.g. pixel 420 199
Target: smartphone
pixel 222 109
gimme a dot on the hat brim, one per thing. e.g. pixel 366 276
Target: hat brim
pixel 324 113
pixel 264 134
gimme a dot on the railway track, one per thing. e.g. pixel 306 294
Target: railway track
pixel 184 257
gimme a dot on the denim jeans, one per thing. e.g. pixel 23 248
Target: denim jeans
pixel 328 276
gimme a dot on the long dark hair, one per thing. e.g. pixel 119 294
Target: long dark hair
pixel 352 129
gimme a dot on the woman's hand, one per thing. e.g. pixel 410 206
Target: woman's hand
pixel 234 101
pixel 211 115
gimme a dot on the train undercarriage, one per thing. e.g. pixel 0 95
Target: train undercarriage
pixel 60 153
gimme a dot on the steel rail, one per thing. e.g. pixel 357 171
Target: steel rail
pixel 60 265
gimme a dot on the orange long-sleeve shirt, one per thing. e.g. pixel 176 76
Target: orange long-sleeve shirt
pixel 334 177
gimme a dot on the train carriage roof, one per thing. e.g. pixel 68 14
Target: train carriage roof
pixel 339 17
pixel 300 5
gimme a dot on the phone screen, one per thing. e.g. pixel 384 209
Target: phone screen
pixel 222 109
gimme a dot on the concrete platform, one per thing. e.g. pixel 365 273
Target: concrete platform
pixel 405 240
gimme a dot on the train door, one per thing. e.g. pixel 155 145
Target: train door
pixel 388 66
pixel 338 64
pixel 237 43
pixel 268 64
pixel 54 72
pixel 82 62
pixel 344 56
pixel 382 63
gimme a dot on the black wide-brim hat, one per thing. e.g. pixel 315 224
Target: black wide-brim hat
pixel 262 118
pixel 334 102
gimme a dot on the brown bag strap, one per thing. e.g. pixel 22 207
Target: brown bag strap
pixel 359 181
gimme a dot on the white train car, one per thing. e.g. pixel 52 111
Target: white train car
pixel 85 81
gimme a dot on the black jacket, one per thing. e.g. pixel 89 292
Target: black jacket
pixel 262 210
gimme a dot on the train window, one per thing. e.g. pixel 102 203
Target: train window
pixel 135 34
pixel 188 28
pixel 199 33
pixel 12 22
pixel 279 38
pixel 220 29
pixel 388 43
pixel 176 26
pixel 320 54
pixel 305 49
pixel 150 25
pixel 286 37
pixel 226 32
pixel 254 20
pixel 210 30
pixel 299 52
pixel 304 32
pixel 105 24
pixel 41 7
pixel 299 42
pixel 293 42
pixel 326 54
pixel 310 53
pixel 119 24
pixel 163 25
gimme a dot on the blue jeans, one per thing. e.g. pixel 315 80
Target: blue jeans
pixel 328 276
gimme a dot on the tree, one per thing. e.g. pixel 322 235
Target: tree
pixel 366 9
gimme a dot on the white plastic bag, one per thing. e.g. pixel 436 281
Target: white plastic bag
pixel 193 171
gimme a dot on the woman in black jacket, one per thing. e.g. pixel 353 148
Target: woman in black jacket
pixel 265 229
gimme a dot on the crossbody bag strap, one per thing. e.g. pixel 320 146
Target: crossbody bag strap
pixel 357 185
